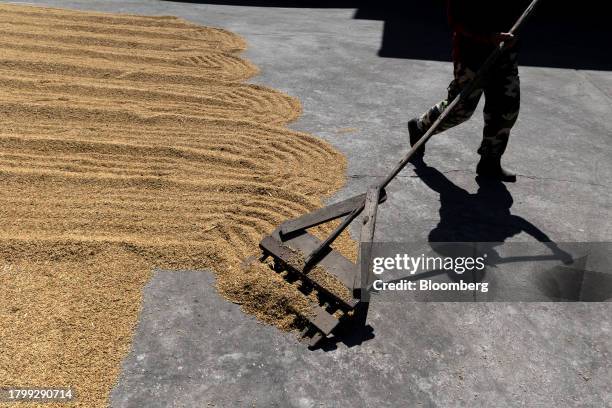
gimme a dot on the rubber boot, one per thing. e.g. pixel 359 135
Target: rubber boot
pixel 490 167
pixel 415 135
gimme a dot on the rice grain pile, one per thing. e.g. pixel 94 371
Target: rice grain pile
pixel 130 143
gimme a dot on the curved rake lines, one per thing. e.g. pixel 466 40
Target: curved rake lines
pixel 273 107
pixel 199 36
pixel 129 143
pixel 221 36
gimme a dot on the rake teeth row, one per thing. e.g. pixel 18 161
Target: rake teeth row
pixel 319 321
pixel 328 309
pixel 312 336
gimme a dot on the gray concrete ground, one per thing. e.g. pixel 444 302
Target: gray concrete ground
pixel 192 348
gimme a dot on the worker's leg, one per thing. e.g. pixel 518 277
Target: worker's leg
pixel 462 112
pixel 502 103
pixel 502 94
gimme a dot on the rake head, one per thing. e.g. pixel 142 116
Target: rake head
pixel 336 280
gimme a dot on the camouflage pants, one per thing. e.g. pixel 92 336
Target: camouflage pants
pixel 502 102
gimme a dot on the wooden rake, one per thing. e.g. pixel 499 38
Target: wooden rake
pixel 297 252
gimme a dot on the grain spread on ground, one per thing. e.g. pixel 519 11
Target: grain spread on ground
pixel 130 143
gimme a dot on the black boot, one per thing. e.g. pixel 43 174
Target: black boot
pixel 415 135
pixel 490 167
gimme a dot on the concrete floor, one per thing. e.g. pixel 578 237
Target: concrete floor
pixel 192 348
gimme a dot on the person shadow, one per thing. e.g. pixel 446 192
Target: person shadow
pixel 477 224
pixel 481 217
pixel 474 225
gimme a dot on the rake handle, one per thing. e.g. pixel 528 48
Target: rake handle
pixel 314 255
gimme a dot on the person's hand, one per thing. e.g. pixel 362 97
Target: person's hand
pixel 499 38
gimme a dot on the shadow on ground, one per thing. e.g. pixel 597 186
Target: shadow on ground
pixel 485 219
pixel 561 35
pixel 478 224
